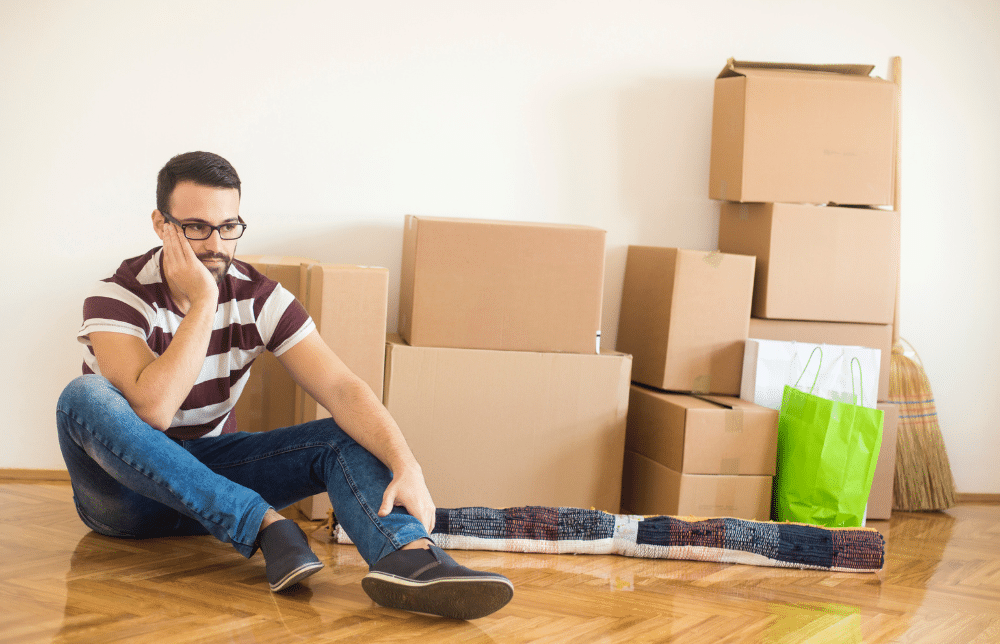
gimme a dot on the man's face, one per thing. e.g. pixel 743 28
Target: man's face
pixel 193 203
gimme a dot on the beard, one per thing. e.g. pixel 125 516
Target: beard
pixel 217 271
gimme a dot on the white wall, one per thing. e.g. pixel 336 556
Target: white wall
pixel 342 117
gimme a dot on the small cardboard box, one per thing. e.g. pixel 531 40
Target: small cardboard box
pixel 817 263
pixel 684 318
pixel 802 134
pixel 702 435
pixel 872 336
pixel 477 284
pixel 269 397
pixel 512 428
pixel 881 496
pixel 349 306
pixel 650 488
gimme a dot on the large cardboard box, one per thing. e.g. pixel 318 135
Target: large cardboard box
pixel 650 488
pixel 803 134
pixel 684 318
pixel 512 428
pixel 817 263
pixel 268 400
pixel 349 306
pixel 881 496
pixel 702 435
pixel 872 336
pixel 479 284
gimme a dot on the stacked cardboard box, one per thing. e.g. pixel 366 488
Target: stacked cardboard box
pixel 268 399
pixel 508 286
pixel 704 456
pixel 349 305
pixel 500 387
pixel 684 318
pixel 803 157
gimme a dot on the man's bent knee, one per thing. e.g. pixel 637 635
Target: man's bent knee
pixel 89 394
pixel 82 390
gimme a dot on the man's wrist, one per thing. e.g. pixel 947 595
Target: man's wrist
pixel 206 305
pixel 406 465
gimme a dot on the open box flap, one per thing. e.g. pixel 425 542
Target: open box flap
pixel 746 68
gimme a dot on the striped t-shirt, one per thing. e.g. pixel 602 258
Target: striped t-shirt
pixel 254 313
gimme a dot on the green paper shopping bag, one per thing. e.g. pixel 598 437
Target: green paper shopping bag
pixel 827 452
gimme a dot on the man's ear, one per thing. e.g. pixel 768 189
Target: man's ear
pixel 159 221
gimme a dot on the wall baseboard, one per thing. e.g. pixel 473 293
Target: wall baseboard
pixel 971 498
pixel 14 475
pixel 32 476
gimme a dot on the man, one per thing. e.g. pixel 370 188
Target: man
pixel 149 437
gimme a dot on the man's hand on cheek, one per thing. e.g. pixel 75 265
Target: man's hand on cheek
pixel 184 271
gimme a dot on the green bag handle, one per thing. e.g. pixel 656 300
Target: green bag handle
pixel 818 367
pixel 861 398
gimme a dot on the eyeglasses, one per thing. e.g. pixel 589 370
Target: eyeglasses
pixel 199 231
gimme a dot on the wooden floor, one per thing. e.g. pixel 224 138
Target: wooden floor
pixel 60 582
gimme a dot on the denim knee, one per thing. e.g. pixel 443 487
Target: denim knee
pixel 90 394
pixel 83 390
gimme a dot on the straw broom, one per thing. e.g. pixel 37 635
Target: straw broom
pixel 923 478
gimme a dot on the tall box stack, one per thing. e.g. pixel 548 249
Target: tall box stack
pixel 269 398
pixel 349 305
pixel 701 456
pixel 803 159
pixel 497 382
pixel 692 448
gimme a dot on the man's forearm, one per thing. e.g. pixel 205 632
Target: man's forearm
pixel 356 409
pixel 163 385
pixel 360 413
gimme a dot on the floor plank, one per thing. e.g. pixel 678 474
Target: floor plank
pixel 60 582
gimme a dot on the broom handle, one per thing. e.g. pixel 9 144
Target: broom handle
pixel 896 66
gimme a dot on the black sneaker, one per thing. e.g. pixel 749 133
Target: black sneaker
pixel 430 581
pixel 287 554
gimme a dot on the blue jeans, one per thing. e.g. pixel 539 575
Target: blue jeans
pixel 131 480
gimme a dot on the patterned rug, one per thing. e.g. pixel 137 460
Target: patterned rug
pixel 576 531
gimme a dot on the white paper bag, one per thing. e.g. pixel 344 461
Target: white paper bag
pixel 769 365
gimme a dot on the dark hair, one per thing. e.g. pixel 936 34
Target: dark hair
pixel 203 168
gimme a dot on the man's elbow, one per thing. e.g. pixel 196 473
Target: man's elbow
pixel 158 419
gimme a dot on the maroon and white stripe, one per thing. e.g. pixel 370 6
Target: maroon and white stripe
pixel 254 314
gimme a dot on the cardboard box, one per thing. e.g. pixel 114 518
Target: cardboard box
pixel 269 397
pixel 881 496
pixel 479 284
pixel 349 306
pixel 873 336
pixel 649 488
pixel 803 134
pixel 512 428
pixel 684 318
pixel 817 263
pixel 702 435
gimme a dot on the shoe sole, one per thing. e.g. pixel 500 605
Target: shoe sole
pixel 457 597
pixel 296 575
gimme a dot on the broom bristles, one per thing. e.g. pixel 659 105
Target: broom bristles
pixel 923 479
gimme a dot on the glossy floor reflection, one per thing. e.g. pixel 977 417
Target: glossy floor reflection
pixel 60 582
